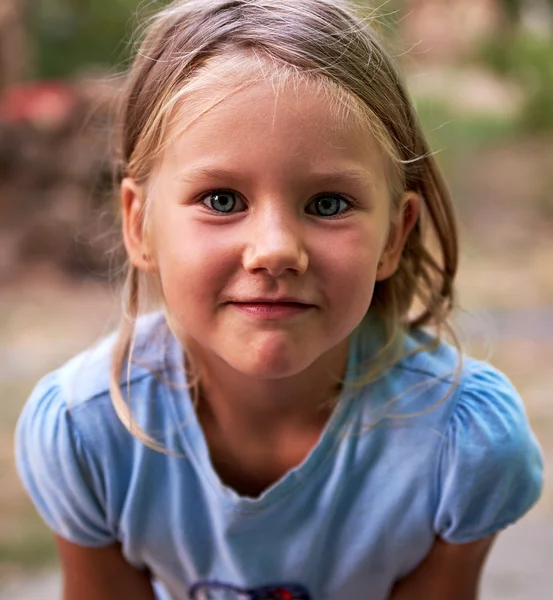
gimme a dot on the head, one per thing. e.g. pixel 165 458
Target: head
pixel 270 152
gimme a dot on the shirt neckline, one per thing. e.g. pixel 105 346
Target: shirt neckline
pixel 192 441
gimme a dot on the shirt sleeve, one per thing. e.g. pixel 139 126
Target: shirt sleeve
pixel 490 468
pixel 57 470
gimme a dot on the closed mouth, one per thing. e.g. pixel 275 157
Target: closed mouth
pixel 276 301
pixel 272 303
pixel 272 310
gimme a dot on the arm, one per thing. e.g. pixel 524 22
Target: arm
pixel 449 571
pixel 101 574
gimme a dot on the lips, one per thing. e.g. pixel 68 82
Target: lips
pixel 272 309
pixel 266 300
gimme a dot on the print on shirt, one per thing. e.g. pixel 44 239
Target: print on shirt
pixel 217 590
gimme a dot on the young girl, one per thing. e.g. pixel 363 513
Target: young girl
pixel 290 422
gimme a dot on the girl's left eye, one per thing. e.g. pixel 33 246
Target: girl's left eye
pixel 223 202
pixel 329 205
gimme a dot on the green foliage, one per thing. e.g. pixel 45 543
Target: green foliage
pixel 512 10
pixel 70 34
pixel 527 59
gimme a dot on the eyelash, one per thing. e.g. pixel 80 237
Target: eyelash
pixel 351 204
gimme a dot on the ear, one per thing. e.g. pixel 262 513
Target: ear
pixel 400 229
pixel 133 198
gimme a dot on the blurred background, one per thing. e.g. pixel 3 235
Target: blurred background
pixel 481 72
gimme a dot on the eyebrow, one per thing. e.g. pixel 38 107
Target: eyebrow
pixel 355 176
pixel 334 176
pixel 205 173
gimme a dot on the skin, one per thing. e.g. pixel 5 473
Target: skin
pixel 266 372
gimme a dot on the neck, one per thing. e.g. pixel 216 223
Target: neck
pixel 256 429
pixel 261 407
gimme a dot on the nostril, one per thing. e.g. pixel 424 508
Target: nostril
pixel 275 259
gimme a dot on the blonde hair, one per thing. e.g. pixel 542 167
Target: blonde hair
pixel 326 42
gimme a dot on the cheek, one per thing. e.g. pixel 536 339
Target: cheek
pixel 193 262
pixel 350 264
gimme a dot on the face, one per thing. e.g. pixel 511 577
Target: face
pixel 269 222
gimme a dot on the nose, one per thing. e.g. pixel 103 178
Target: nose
pixel 275 245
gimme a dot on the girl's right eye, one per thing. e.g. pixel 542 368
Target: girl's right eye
pixel 223 202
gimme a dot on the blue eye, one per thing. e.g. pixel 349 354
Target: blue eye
pixel 329 205
pixel 222 201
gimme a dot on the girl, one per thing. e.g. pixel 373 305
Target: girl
pixel 287 425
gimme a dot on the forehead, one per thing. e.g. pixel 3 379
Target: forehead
pixel 281 123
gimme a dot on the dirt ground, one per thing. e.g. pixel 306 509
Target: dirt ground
pixel 44 319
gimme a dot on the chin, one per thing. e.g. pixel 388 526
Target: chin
pixel 270 365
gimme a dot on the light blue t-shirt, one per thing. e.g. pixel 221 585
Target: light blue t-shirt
pixel 359 513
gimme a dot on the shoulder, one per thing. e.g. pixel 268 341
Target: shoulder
pixel 74 456
pixel 488 462
pixel 57 467
pixel 436 373
pixel 488 427
pixel 475 403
